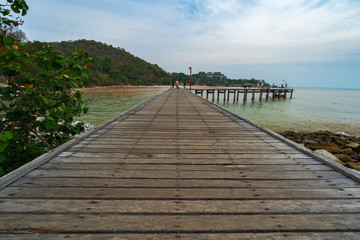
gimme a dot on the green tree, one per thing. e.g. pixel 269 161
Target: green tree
pixel 37 107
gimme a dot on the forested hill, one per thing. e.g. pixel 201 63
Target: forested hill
pixel 114 66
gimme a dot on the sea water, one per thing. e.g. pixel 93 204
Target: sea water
pixel 310 109
pixel 105 103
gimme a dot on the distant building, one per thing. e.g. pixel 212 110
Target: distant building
pixel 213 75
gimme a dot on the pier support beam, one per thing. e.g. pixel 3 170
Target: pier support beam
pixel 245 95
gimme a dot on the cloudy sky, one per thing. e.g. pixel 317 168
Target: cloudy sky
pixel 313 43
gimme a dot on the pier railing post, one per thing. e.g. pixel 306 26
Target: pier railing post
pixel 245 95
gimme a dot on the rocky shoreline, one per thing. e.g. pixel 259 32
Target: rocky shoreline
pixel 338 147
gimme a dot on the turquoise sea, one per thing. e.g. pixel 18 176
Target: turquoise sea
pixel 310 109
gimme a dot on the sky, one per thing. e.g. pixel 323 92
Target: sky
pixel 307 43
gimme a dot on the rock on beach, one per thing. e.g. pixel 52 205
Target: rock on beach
pixel 342 149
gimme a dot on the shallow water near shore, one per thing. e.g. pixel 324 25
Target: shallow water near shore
pixel 105 103
pixel 310 109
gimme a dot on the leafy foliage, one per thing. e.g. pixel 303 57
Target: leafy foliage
pixel 38 103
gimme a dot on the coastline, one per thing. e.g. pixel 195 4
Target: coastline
pixel 341 148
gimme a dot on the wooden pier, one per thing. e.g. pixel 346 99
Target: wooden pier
pixel 233 93
pixel 179 167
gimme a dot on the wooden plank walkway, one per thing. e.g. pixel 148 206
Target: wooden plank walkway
pixel 180 167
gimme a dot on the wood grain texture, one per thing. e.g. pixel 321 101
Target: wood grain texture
pixel 179 167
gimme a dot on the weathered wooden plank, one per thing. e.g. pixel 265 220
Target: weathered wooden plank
pixel 262 207
pixel 175 144
pixel 179 193
pixel 182 167
pixel 207 142
pixel 134 159
pixel 184 183
pixel 239 174
pixel 348 235
pixel 189 156
pixel 22 223
pixel 183 151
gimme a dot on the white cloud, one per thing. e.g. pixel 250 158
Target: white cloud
pixel 282 31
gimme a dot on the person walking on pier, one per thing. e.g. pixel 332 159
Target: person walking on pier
pixel 172 83
pixel 184 83
pixel 177 83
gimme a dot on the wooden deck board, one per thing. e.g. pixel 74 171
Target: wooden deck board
pixel 176 193
pixel 236 174
pixel 179 167
pixel 84 223
pixel 182 167
pixel 184 183
pixel 279 206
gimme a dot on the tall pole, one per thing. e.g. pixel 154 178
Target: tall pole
pixel 190 78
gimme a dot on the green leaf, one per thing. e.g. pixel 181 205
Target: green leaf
pixel 46 101
pixel 29 90
pixel 3 146
pixel 3 137
pixel 8 134
pixel 50 118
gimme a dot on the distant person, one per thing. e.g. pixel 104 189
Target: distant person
pixel 172 83
pixel 177 83
pixel 184 83
pixel 244 85
pixel 282 85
